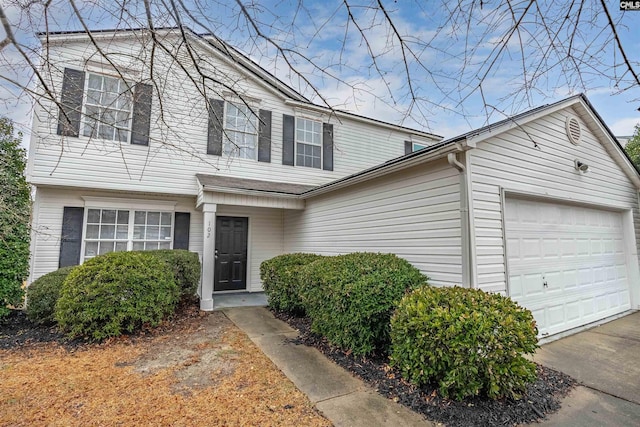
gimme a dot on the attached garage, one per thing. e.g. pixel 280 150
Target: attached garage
pixel 542 207
pixel 566 263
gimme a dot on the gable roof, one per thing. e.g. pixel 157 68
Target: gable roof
pixel 470 139
pixel 246 64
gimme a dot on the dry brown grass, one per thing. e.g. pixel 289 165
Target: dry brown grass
pixel 202 372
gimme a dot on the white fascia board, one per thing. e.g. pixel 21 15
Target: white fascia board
pixel 355 117
pixel 245 192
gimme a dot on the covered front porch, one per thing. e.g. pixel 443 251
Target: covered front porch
pixel 243 225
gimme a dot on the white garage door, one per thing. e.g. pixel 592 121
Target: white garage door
pixel 566 263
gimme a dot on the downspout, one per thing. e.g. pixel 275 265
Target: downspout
pixel 465 221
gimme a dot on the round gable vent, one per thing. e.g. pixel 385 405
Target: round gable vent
pixel 573 130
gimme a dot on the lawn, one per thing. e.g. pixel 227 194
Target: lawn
pixel 199 369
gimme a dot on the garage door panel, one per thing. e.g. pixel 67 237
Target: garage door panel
pixel 578 252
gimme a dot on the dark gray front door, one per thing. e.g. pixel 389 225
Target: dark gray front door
pixel 231 253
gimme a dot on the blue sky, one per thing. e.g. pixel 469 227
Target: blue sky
pixel 449 79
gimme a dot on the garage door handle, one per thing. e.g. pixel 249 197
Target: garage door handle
pixel 545 284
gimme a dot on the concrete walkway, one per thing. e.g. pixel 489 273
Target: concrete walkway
pixel 342 398
pixel 605 360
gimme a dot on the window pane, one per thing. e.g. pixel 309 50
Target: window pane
pixel 90 249
pixel 152 232
pixel 123 217
pixel 165 233
pixel 122 232
pixel 165 245
pixel 316 162
pixel 95 81
pixel 93 216
pixel 104 131
pixel 138 246
pixel 107 231
pixel 108 216
pixel 138 232
pixel 153 218
pixel 166 218
pixel 92 231
pixel 140 217
pixel 93 97
pixel 121 246
pixel 105 248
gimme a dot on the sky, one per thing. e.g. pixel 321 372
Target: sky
pixel 459 66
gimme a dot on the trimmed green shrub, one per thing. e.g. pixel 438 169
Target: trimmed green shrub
pixel 465 340
pixel 116 293
pixel 350 298
pixel 185 266
pixel 43 294
pixel 281 280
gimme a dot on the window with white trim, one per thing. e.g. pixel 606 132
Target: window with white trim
pixel 240 131
pixel 308 143
pixel 107 108
pixel 114 230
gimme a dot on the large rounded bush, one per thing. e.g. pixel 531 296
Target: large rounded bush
pixel 116 293
pixel 350 298
pixel 185 266
pixel 43 294
pixel 281 280
pixel 465 340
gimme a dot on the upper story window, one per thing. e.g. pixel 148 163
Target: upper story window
pixel 107 109
pixel 308 143
pixel 418 147
pixel 241 131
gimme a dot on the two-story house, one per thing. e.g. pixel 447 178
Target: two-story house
pixel 158 143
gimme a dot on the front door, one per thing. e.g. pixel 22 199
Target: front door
pixel 231 254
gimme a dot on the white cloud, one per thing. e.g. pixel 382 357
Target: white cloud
pixel 625 126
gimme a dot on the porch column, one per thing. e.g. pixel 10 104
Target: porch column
pixel 208 261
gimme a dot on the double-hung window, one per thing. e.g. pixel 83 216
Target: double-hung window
pixel 113 230
pixel 240 132
pixel 107 109
pixel 308 143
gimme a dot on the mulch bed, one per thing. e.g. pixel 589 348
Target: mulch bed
pixel 542 397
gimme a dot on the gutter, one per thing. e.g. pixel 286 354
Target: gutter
pixel 405 162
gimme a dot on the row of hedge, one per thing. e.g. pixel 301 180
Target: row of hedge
pixel 466 341
pixel 114 293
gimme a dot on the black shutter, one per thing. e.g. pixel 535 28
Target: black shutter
pixel 288 139
pixel 71 238
pixel 327 146
pixel 71 103
pixel 181 230
pixel 141 122
pixel 408 147
pixel 214 137
pixel 264 136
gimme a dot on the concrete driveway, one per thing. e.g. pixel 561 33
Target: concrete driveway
pixel 606 362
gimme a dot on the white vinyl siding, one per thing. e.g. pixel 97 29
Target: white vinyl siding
pixel 511 162
pixel 178 141
pixel 413 213
pixel 49 203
